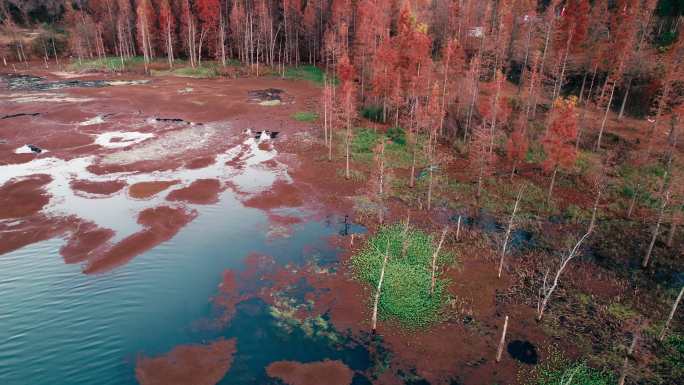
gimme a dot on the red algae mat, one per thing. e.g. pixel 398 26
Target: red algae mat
pixel 188 364
pixel 22 197
pixel 314 373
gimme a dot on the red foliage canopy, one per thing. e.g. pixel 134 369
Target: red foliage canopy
pixel 559 140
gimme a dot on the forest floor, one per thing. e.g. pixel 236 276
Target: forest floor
pixel 145 125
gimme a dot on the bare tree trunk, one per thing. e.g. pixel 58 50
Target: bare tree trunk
pixel 508 230
pixel 382 167
pixel 553 181
pixel 625 362
pixel 412 180
pixel 434 260
pixel 633 202
pixel 624 99
pixel 502 341
pixel 546 292
pixel 404 235
pixel 527 55
pixel 581 93
pixel 376 302
pixel 346 145
pixel 673 230
pixel 605 117
pixel 661 337
pixel 655 231
pixel 458 228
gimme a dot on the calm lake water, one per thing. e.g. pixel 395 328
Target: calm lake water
pixel 59 326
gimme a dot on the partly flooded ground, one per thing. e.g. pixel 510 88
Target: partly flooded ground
pixel 166 230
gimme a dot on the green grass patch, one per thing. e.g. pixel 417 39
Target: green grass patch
pixel 405 296
pixel 111 63
pixel 306 72
pixel 556 370
pixel 621 312
pixel 197 72
pixel 305 116
pixel 363 144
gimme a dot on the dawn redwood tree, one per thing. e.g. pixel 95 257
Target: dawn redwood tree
pixel 145 21
pixel 480 159
pixel 125 29
pixel 428 117
pixel 347 100
pixel 494 107
pixel 384 74
pixel 167 27
pixel 624 26
pixel 559 141
pixel 453 60
pixel 209 12
pixel 517 145
pixel 189 31
pixel 572 30
pixel 673 72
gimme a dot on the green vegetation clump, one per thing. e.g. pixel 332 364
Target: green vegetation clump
pixel 397 135
pixel 372 113
pixel 197 72
pixel 363 143
pixel 556 370
pixel 305 116
pixel 306 72
pixel 110 63
pixel 405 295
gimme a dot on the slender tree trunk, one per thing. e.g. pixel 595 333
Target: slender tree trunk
pixel 346 145
pixel 412 180
pixel 546 292
pixel 624 99
pixel 647 258
pixel 376 302
pixel 591 85
pixel 661 337
pixel 625 362
pixel 508 231
pixel 673 230
pixel 581 93
pixel 633 202
pixel 434 260
pixel 527 55
pixel 502 341
pixel 458 228
pixel 553 181
pixel 605 117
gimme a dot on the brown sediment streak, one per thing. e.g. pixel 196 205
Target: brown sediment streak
pixel 201 162
pixel 103 188
pixel 21 197
pixel 313 373
pixel 84 241
pixel 201 191
pixel 284 219
pixel 161 224
pixel 281 194
pixel 144 190
pixel 188 364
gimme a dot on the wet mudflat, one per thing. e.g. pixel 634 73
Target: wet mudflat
pixel 117 234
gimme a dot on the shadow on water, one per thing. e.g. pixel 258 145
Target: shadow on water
pixel 520 240
pixel 523 351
